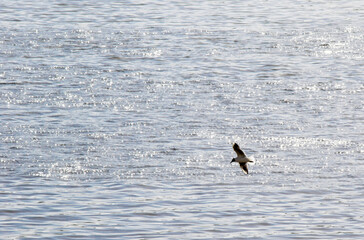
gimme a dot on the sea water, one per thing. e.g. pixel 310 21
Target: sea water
pixel 117 119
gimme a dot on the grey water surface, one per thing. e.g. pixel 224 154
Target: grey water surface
pixel 117 119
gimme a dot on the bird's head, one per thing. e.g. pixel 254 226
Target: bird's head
pixel 232 160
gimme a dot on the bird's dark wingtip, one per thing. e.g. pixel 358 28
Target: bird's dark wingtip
pixel 244 167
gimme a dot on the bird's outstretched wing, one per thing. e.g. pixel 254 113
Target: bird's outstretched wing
pixel 238 151
pixel 244 167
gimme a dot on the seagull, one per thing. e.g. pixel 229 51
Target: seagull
pixel 242 159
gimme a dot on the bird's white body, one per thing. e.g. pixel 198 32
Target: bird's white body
pixel 241 159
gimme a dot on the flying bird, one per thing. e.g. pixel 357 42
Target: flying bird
pixel 242 159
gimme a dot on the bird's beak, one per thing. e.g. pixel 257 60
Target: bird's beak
pixel 232 161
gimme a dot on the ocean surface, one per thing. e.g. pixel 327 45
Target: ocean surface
pixel 117 119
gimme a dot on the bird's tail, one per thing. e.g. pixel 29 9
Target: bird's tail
pixel 252 159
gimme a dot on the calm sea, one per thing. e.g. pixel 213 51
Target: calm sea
pixel 117 119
